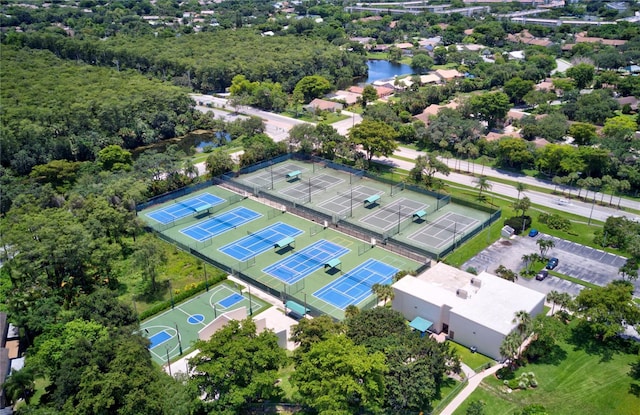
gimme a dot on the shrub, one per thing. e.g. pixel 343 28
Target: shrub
pixel 555 221
pixel 188 291
pixel 472 270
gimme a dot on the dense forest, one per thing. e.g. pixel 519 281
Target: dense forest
pixel 283 59
pixel 57 109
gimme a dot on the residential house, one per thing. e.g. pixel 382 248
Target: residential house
pixel 432 110
pixel 631 101
pixel 323 105
pixel 447 75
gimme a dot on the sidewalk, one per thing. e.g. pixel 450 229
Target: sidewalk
pixel 472 384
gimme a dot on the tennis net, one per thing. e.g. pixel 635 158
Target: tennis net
pixel 264 238
pixel 224 222
pixel 186 205
pixel 313 259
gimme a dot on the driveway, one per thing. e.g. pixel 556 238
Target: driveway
pixel 578 261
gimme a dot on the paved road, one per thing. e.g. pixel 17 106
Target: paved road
pixel 532 181
pixel 579 208
pixel 278 126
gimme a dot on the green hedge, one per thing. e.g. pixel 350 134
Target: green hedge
pixel 180 296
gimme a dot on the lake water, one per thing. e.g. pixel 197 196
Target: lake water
pixel 380 69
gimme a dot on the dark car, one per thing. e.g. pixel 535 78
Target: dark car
pixel 553 262
pixel 533 232
pixel 542 275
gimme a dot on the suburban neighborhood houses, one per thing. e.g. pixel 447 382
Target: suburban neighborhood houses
pixel 320 207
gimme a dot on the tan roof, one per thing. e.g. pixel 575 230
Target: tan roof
pixel 448 74
pixel 356 89
pixel 609 42
pixel 540 142
pixel 491 136
pixel 546 85
pixel 325 105
pixel 405 45
pixel 429 79
pixel 432 110
pixel 383 91
pixel 468 32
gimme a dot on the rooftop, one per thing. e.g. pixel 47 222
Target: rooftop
pixel 443 284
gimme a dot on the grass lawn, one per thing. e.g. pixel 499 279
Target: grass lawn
pixel 473 360
pixel 181 269
pixel 587 379
pixel 285 384
pixel 326 117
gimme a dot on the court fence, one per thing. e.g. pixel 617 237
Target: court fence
pixel 165 197
pixel 368 237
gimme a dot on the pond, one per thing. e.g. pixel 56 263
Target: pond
pixel 197 140
pixel 381 69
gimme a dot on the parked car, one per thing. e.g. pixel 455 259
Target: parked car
pixel 542 275
pixel 533 232
pixel 553 262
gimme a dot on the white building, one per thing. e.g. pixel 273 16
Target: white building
pixel 472 310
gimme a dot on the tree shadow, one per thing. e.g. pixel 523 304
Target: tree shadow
pixel 554 355
pixel 634 389
pixel 151 296
pixel 583 338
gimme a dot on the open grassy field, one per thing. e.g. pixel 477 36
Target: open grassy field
pixel 586 379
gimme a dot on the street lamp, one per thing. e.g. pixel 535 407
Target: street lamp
pixel 168 361
pixel 179 339
pixel 171 293
pixel 591 213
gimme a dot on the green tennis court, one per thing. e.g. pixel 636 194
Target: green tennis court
pixel 178 328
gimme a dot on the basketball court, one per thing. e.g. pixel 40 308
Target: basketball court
pixel 176 329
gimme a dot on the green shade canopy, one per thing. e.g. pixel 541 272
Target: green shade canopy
pixel 420 324
pixel 296 308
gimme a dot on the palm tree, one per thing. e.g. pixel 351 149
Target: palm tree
pixel 520 187
pixel 545 245
pixel 554 298
pixel 524 323
pixel 20 385
pixel 482 184
pixel 351 311
pixel 527 259
pixel 377 290
pixel 565 300
pixel 387 293
pixel 510 346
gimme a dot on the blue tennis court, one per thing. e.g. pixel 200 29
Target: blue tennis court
pixel 302 263
pixel 354 286
pixel 220 224
pixel 259 242
pixel 159 338
pixel 183 208
pixel 231 300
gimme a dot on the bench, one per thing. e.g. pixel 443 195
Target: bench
pixel 372 199
pixel 294 175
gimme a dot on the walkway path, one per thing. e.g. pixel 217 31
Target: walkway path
pixel 472 384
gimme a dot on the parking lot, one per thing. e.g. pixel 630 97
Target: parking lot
pixel 575 260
